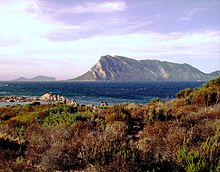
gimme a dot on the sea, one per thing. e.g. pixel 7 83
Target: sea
pixel 96 92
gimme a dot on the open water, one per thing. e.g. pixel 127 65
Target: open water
pixel 95 92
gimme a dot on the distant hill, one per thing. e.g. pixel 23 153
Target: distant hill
pixel 120 68
pixel 37 78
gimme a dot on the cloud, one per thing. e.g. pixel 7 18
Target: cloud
pixel 189 14
pixel 197 45
pixel 68 59
pixel 95 7
pixel 74 40
pixel 20 19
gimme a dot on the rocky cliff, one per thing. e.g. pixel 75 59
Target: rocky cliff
pixel 120 68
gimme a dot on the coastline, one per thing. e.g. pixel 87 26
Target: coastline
pixel 95 92
pixel 44 99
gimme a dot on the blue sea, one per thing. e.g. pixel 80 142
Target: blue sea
pixel 95 92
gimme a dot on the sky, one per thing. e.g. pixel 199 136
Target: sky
pixel 65 38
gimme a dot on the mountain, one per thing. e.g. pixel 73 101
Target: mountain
pixel 120 68
pixel 36 79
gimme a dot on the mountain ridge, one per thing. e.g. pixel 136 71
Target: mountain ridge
pixel 39 78
pixel 119 68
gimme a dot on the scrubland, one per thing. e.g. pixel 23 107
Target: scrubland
pixel 182 134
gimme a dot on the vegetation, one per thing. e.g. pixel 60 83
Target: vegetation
pixel 178 135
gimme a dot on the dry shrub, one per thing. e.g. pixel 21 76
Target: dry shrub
pixel 115 117
pixel 100 148
pixel 136 111
pixel 65 152
pixel 152 139
pixel 56 147
pixel 175 138
pixel 39 141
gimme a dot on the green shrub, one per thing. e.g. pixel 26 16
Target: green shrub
pixel 184 93
pixel 34 104
pixel 205 158
pixel 215 81
pixel 154 100
pixel 21 132
pixel 63 118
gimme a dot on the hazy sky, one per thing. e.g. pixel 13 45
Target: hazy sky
pixel 64 38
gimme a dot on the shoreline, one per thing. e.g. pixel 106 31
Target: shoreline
pixel 47 97
pixel 6 104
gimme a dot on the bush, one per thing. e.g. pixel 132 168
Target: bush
pixel 154 100
pixel 34 104
pixel 63 118
pixel 205 158
pixel 123 137
pixel 184 93
pixel 215 81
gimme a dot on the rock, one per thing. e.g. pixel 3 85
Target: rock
pixel 35 98
pixel 57 98
pixel 62 99
pixel 51 97
pixel 91 106
pixel 72 102
pixel 46 97
pixel 104 103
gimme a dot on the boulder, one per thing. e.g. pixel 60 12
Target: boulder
pixel 72 102
pixel 91 106
pixel 46 97
pixel 104 103
pixel 57 98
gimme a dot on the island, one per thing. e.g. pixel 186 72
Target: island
pixel 40 78
pixel 119 68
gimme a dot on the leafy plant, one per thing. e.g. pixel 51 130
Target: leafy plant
pixel 63 118
pixel 205 158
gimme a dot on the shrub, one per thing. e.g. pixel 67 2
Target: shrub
pixel 205 158
pixel 184 93
pixel 215 81
pixel 63 118
pixel 34 104
pixel 123 137
pixel 154 100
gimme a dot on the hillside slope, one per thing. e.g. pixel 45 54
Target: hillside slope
pixel 120 68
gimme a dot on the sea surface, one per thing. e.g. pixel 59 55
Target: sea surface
pixel 95 92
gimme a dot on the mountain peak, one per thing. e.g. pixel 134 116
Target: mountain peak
pixel 119 68
pixel 106 57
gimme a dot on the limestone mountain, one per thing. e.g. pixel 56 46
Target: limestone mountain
pixel 120 68
pixel 39 78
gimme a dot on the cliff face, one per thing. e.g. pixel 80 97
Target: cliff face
pixel 120 68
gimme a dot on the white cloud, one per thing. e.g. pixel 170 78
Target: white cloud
pixel 72 58
pixel 25 50
pixel 19 19
pixel 94 7
pixel 189 14
pixel 23 20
